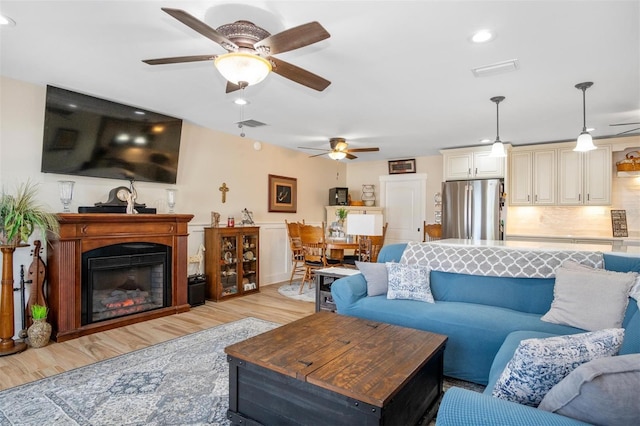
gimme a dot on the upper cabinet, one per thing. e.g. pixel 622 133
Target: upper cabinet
pixel 554 174
pixel 472 163
pixel 533 177
pixel 585 177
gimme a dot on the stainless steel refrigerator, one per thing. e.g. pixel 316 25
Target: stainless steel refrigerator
pixel 471 209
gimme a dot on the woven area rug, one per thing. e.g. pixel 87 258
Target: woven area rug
pixel 184 381
pixel 292 291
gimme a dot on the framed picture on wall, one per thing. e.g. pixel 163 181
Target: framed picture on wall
pixel 283 194
pixel 402 166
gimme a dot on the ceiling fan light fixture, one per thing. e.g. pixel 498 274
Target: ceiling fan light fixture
pixel 585 141
pixel 243 68
pixel 337 155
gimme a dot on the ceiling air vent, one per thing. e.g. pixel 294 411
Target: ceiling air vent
pixel 497 68
pixel 251 123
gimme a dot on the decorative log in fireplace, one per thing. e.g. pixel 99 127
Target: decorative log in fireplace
pixel 82 233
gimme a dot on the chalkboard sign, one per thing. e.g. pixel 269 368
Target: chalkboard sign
pixel 619 223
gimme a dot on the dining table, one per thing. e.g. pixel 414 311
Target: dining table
pixel 336 247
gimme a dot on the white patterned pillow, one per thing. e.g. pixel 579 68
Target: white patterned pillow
pixel 409 282
pixel 539 364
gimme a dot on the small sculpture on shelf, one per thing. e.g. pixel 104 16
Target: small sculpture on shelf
pixel 215 219
pixel 247 217
pixel 197 259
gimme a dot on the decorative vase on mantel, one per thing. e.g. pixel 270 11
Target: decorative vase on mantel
pixel 369 195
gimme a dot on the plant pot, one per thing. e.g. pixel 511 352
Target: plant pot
pixel 39 333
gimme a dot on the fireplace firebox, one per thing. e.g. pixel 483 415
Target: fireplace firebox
pixel 125 279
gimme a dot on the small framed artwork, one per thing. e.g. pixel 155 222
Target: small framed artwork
pixel 65 139
pixel 283 194
pixel 619 223
pixel 397 167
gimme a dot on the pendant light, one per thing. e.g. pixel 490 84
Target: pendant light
pixel 585 141
pixel 497 149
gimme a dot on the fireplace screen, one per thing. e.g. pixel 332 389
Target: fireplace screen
pixel 125 279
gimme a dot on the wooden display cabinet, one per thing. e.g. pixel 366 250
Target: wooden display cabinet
pixel 231 261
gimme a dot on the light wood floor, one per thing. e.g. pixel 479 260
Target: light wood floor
pixel 34 364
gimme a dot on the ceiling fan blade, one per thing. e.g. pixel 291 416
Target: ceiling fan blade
pixel 299 75
pixel 315 149
pixel 293 38
pixel 318 155
pixel 199 26
pixel 351 156
pixel 362 150
pixel 624 124
pixel 179 59
pixel 232 87
pixel 628 131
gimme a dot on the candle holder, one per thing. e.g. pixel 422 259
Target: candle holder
pixel 66 194
pixel 171 199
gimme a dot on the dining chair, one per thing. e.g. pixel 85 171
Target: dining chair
pixel 431 232
pixel 366 253
pixel 314 247
pixel 297 253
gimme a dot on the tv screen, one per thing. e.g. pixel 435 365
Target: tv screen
pixel 87 136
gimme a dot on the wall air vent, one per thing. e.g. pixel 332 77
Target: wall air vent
pixel 251 123
pixel 497 68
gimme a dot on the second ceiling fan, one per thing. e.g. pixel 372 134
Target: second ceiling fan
pixel 246 42
pixel 340 149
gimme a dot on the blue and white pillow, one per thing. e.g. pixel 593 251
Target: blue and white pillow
pixel 539 364
pixel 409 282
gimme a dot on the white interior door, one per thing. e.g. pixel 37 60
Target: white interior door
pixel 403 198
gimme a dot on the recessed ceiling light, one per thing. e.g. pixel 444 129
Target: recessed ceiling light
pixel 241 101
pixel 482 36
pixel 139 112
pixel 485 140
pixel 5 20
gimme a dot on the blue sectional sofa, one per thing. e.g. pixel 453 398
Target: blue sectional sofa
pixel 478 313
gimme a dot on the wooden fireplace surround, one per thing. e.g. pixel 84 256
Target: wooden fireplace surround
pixel 80 233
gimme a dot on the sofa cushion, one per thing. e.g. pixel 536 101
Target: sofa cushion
pixel 538 364
pixel 602 391
pixel 408 282
pixel 376 275
pixel 588 298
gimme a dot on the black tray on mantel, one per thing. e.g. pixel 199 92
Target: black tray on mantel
pixel 115 209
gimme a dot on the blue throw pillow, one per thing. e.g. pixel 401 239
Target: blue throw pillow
pixel 409 282
pixel 539 364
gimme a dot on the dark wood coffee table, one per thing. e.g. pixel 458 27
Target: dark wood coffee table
pixel 338 370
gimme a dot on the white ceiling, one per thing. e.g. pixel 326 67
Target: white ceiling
pixel 400 70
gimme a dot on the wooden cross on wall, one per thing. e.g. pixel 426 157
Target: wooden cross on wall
pixel 224 189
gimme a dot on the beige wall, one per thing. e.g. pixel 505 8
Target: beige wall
pixel 369 172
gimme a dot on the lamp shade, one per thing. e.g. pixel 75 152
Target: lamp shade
pixel 585 142
pixel 239 67
pixel 497 150
pixel 364 224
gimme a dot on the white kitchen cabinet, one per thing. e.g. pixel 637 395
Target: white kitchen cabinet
pixel 472 163
pixel 585 177
pixel 533 178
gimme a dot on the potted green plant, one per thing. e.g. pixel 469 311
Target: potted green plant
pixel 21 214
pixel 342 214
pixel 39 332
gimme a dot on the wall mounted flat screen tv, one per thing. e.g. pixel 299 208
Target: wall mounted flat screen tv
pixel 87 136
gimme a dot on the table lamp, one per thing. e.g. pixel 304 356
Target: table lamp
pixel 364 225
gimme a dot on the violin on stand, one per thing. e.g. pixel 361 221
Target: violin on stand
pixel 37 276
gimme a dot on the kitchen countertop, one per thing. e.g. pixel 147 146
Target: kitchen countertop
pixel 539 245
